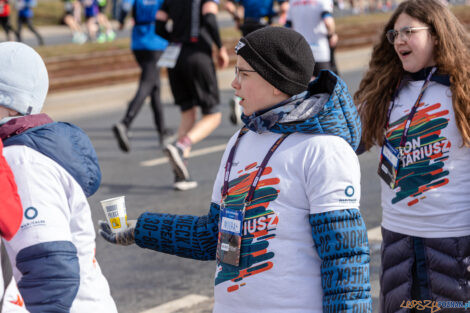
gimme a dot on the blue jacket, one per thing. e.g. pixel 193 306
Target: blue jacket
pixel 143 33
pixel 69 146
pixel 49 263
pixel 26 8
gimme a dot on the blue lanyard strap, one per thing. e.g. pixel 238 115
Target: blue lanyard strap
pixel 261 168
pixel 413 110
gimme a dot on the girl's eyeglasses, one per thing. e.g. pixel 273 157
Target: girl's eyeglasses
pixel 238 71
pixel 405 33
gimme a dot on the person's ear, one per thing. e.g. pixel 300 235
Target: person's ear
pixel 277 92
pixel 12 112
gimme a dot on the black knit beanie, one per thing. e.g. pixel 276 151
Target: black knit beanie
pixel 281 56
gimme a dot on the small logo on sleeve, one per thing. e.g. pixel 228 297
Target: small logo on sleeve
pixel 349 192
pixel 30 213
pixel 31 219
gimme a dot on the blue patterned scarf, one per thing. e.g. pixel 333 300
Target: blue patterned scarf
pixel 325 108
pixel 295 109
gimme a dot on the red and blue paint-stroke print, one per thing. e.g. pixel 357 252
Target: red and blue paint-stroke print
pixel 425 153
pixel 259 227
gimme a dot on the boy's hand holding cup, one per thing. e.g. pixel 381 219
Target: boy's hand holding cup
pixel 117 229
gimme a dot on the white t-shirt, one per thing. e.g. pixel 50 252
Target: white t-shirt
pixel 432 199
pixel 12 301
pixel 56 209
pixel 306 18
pixel 307 174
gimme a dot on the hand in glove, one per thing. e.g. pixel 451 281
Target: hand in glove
pixel 124 238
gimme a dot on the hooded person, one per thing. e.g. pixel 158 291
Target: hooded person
pixel 55 168
pixel 284 223
pixel 11 214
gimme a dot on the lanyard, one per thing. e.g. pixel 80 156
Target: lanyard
pixel 413 110
pixel 228 165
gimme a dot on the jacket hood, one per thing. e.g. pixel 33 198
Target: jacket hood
pixel 325 108
pixel 67 145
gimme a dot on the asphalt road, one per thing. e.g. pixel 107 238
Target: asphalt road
pixel 141 279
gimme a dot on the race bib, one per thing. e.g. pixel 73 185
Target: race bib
pixel 170 56
pixel 230 235
pixel 389 164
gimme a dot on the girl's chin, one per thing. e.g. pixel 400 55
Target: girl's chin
pixel 409 68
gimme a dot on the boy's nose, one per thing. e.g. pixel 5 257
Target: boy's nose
pixel 235 84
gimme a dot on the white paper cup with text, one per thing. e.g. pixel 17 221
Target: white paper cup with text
pixel 115 211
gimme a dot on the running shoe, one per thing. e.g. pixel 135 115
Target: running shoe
pixel 79 38
pixel 110 36
pixel 184 184
pixel 177 161
pixel 120 132
pixel 101 38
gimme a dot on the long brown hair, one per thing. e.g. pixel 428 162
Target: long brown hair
pixel 451 54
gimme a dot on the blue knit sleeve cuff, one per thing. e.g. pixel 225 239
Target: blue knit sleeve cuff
pixel 340 238
pixel 182 235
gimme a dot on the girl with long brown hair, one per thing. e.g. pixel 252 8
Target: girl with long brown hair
pixel 414 103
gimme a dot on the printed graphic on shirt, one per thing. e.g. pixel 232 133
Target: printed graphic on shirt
pixel 259 227
pixel 31 218
pixel 424 154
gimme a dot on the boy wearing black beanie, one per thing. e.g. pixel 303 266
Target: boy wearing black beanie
pixel 284 222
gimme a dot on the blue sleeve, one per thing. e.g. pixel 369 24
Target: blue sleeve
pixel 186 236
pixel 326 14
pixel 51 276
pixel 341 241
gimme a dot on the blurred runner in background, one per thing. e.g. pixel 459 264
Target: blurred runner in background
pixel 147 48
pixel 25 16
pixel 257 14
pixel 91 13
pixel 72 17
pixel 314 20
pixel 5 19
pixel 192 79
pixel 106 29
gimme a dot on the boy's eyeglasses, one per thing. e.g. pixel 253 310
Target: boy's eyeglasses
pixel 405 33
pixel 238 71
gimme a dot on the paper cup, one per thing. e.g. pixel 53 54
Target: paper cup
pixel 115 211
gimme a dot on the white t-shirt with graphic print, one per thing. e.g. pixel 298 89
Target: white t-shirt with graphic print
pixel 306 18
pixel 306 175
pixel 432 199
